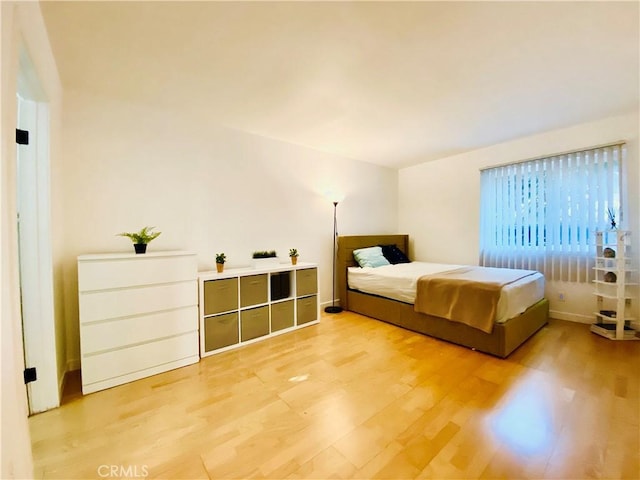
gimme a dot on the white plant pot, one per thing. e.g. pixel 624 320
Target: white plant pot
pixel 265 262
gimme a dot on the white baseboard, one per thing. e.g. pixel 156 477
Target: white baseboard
pixel 572 317
pixel 586 319
pixel 329 303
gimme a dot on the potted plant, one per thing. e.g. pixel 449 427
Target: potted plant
pixel 141 239
pixel 293 254
pixel 220 259
pixel 264 258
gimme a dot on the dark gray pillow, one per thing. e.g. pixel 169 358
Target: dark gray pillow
pixel 394 254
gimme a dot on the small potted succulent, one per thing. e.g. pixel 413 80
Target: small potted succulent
pixel 293 254
pixel 141 239
pixel 220 259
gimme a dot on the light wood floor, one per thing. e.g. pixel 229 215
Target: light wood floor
pixel 356 398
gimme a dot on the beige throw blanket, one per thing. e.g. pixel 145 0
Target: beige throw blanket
pixel 467 295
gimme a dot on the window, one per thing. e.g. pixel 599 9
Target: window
pixel 542 214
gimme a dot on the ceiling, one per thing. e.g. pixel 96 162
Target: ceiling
pixel 393 84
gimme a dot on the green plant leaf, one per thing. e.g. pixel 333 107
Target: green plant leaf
pixel 143 236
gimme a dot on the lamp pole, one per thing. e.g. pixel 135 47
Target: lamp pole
pixel 333 308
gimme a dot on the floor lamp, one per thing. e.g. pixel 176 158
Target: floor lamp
pixel 333 308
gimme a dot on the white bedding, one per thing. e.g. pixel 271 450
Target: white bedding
pixel 398 282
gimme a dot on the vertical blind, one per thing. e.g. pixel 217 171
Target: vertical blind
pixel 542 214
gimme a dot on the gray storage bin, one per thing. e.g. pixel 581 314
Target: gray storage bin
pixel 306 281
pixel 220 295
pixel 220 331
pixel 282 315
pixel 307 309
pixel 253 290
pixel 254 323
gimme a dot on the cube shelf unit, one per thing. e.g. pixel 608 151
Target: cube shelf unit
pixel 246 305
pixel 614 285
pixel 138 315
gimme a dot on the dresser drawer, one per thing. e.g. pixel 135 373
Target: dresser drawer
pixel 282 315
pixel 139 270
pixel 122 332
pixel 116 363
pixel 117 303
pixel 220 295
pixel 220 331
pixel 306 281
pixel 307 309
pixel 254 323
pixel 253 290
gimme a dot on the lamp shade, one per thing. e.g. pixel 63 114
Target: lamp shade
pixel 334 195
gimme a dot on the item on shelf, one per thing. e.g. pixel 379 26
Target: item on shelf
pixel 609 330
pixel 610 277
pixel 612 219
pixel 141 239
pixel 264 254
pixel 280 285
pixel 265 258
pixel 608 313
pixel 609 253
pixel 220 259
pixel 293 254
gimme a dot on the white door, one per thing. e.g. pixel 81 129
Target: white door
pixel 34 240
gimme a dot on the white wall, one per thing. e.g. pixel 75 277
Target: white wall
pixel 439 200
pixel 22 27
pixel 209 189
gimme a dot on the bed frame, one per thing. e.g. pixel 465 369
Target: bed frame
pixel 503 340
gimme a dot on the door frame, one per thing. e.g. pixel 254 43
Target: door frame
pixel 35 256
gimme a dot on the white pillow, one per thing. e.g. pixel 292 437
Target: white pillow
pixel 370 257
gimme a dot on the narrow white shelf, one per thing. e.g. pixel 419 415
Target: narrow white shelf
pixel 609 330
pixel 614 297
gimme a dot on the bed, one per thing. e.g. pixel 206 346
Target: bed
pixel 505 336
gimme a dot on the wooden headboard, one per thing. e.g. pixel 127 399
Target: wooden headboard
pixel 347 244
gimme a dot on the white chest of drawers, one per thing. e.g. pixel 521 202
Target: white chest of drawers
pixel 138 316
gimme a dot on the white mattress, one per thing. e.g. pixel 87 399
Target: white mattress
pixel 398 282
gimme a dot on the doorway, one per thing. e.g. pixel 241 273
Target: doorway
pixel 33 198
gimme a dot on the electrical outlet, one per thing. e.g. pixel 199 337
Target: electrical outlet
pixel 561 297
